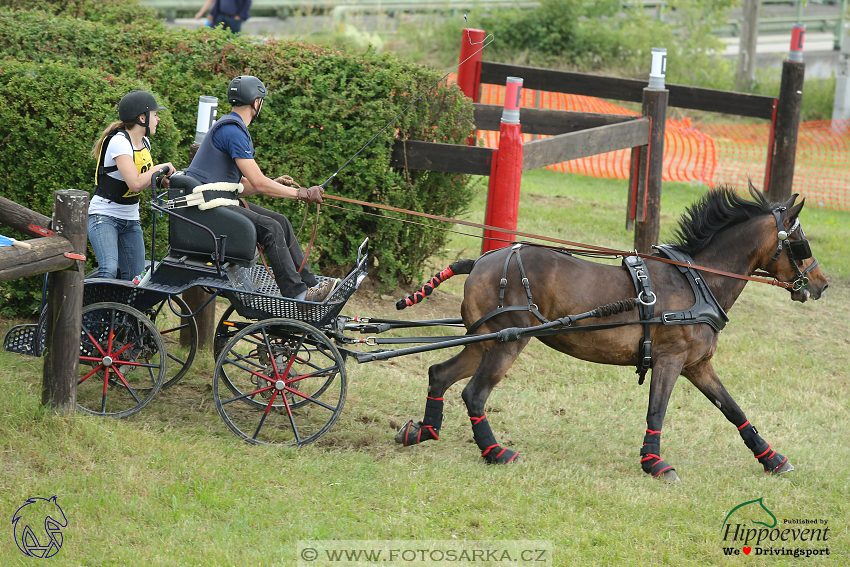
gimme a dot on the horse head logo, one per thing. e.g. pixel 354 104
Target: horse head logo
pixel 48 519
pixel 749 509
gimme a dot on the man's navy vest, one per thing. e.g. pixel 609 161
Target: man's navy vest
pixel 212 165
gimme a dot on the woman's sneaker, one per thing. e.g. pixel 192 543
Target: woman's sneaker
pixel 321 292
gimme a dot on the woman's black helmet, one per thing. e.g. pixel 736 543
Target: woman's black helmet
pixel 244 90
pixel 135 103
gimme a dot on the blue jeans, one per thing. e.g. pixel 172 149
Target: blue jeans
pixel 118 245
pixel 234 25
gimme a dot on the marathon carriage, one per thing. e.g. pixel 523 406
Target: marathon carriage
pixel 274 358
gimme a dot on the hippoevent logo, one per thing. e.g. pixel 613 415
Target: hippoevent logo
pixel 752 528
pixel 37 526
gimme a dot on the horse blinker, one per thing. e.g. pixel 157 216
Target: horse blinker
pixel 800 249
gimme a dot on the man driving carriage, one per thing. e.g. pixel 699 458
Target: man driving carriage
pixel 227 155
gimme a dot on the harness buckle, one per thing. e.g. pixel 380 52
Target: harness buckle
pixel 503 282
pixel 525 282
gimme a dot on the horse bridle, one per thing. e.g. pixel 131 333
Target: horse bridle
pixel 798 250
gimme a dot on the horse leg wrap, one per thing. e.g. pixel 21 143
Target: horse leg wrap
pixel 425 430
pixel 770 459
pixel 486 441
pixel 650 461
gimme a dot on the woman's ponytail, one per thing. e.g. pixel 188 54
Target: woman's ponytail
pixel 98 146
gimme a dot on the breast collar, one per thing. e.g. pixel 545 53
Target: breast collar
pixel 706 309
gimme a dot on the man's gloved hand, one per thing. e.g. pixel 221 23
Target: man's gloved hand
pixel 311 195
pixel 286 180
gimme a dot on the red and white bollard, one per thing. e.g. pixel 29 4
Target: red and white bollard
pixel 505 173
pixel 795 53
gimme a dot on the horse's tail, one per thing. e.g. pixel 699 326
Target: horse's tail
pixel 459 267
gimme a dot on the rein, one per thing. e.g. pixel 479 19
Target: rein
pixel 581 247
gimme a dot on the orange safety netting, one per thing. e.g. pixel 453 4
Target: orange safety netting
pixel 708 153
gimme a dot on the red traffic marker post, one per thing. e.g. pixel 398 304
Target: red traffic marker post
pixel 783 149
pixel 506 173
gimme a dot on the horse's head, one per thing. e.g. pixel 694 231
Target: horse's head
pixel 789 257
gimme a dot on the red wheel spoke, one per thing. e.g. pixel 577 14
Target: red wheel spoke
pixel 90 374
pixel 265 413
pixel 126 385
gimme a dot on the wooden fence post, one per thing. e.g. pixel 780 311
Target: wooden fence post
pixel 65 305
pixel 648 209
pixel 205 319
pixel 787 120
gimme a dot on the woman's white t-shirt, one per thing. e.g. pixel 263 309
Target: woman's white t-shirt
pixel 118 145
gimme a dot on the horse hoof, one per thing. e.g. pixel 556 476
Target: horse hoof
pixel 503 457
pixel 783 468
pixel 414 433
pixel 670 476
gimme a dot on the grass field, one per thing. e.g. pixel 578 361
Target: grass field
pixel 172 486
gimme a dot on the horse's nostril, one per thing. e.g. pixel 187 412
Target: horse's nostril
pixel 824 287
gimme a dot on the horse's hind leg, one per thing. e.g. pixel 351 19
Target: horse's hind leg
pixel 440 378
pixel 494 365
pixel 706 380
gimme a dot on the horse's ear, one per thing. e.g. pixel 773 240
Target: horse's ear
pixel 794 211
pixel 790 202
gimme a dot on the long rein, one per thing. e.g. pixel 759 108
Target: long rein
pixel 572 246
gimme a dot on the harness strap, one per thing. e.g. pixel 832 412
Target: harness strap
pixel 646 303
pixel 503 284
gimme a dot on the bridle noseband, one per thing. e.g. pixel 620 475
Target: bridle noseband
pixel 797 250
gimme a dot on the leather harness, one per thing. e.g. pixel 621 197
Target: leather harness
pixel 706 308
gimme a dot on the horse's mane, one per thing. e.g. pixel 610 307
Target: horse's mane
pixel 720 208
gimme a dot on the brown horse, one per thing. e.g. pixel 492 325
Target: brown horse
pixel 722 231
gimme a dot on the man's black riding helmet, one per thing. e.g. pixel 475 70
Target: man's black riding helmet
pixel 245 89
pixel 136 103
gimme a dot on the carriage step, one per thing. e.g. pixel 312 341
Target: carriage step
pixel 21 339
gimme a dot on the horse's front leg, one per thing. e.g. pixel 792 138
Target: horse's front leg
pixel 706 380
pixel 440 378
pixel 665 371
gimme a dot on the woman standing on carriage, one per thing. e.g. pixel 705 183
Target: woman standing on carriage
pixel 124 169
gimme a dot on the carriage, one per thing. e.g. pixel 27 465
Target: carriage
pixel 280 363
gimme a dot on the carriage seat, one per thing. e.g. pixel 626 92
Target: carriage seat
pixel 187 239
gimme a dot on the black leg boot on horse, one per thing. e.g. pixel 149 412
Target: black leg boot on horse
pixel 440 378
pixel 704 377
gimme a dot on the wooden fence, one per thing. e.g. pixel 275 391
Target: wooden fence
pixel 60 251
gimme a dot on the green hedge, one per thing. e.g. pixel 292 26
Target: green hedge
pixel 324 105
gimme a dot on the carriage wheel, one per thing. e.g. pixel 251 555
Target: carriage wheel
pixel 226 329
pixel 172 327
pixel 122 360
pixel 279 382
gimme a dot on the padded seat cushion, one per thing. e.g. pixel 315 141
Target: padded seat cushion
pixel 184 238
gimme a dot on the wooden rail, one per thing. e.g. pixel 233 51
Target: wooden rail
pixel 696 98
pixel 584 143
pixel 448 158
pixel 544 121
